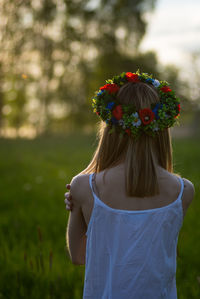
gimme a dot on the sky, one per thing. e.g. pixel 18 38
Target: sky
pixel 173 31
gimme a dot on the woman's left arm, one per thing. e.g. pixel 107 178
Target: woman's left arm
pixel 76 228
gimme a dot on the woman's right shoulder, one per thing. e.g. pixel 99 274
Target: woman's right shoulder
pixel 80 179
pixel 79 184
pixel 188 194
pixel 189 189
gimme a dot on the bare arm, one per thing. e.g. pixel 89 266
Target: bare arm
pixel 76 228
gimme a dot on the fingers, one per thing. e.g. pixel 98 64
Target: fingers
pixel 68 199
pixel 69 205
pixel 68 186
pixel 68 196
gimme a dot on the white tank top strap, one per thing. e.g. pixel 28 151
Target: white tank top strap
pixel 182 188
pixel 91 184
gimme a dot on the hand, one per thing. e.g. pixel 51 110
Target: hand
pixel 68 199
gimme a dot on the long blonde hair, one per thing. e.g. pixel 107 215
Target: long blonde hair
pixel 140 156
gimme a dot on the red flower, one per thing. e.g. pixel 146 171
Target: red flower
pixel 128 131
pixel 97 113
pixel 179 108
pixel 166 89
pixel 117 112
pixel 146 115
pixel 132 77
pixel 111 88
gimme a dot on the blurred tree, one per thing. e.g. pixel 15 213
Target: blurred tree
pixel 17 100
pixel 26 50
pixel 1 97
pixel 13 98
pixel 60 51
pixel 194 90
pixel 172 75
pixel 105 38
pixel 109 25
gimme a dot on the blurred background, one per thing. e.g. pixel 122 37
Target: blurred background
pixel 54 54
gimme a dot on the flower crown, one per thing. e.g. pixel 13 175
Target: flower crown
pixel 126 118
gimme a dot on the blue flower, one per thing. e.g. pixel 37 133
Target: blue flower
pixel 100 92
pixel 156 83
pixel 114 120
pixel 149 80
pixel 110 105
pixel 156 108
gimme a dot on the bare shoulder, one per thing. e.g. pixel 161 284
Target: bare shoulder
pixel 188 195
pixel 79 185
pixel 188 185
pixel 189 190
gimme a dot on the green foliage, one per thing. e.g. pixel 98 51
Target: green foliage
pixel 33 259
pixel 58 47
pixel 58 53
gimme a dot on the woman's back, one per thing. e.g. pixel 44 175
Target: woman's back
pixel 111 191
pixel 131 253
pixel 134 216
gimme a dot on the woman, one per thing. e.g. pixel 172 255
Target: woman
pixel 127 207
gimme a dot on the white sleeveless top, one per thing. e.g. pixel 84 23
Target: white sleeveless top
pixel 132 254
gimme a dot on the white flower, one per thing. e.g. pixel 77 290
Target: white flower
pixel 156 128
pixel 137 122
pixel 121 122
pixel 156 83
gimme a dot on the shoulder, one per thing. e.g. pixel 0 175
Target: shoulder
pixel 188 185
pixel 189 189
pixel 188 194
pixel 79 186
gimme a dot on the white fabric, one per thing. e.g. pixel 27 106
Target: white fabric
pixel 132 254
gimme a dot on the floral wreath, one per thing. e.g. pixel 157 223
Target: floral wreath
pixel 126 118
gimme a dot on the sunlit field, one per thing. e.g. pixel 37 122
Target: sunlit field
pixel 33 258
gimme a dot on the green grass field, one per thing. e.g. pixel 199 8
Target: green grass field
pixel 33 258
